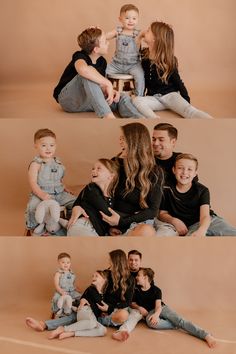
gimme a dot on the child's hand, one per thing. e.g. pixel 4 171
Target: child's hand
pixel 63 293
pixel 77 211
pixel 47 197
pixel 198 233
pixel 154 319
pixel 143 311
pixel 180 226
pixel 116 96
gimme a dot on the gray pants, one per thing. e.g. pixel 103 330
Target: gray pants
pixel 82 95
pixel 173 101
pixel 177 322
pixel 86 325
pixel 82 227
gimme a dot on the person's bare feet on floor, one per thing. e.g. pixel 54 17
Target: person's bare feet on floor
pixel 36 325
pixel 121 336
pixel 211 341
pixel 65 335
pixel 56 332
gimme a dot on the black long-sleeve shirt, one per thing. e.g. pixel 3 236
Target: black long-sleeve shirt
pixel 92 200
pixel 128 205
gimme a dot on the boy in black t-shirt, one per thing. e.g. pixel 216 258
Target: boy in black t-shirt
pixel 83 86
pixel 147 301
pixel 185 207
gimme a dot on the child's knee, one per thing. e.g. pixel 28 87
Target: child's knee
pixel 120 316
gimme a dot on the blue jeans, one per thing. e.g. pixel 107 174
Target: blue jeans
pixel 82 95
pixel 176 321
pixel 62 321
pixel 217 227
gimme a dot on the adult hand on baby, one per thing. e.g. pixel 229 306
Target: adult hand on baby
pixel 112 220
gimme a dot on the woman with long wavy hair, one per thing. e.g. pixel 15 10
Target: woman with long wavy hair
pixel 119 291
pixel 139 190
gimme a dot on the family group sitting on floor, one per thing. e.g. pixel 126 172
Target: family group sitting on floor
pixel 118 297
pixel 146 190
pixel 147 55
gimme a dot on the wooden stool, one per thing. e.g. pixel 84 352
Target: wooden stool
pixel 122 82
pixel 29 232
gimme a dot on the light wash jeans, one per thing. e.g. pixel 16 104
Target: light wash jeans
pixel 177 322
pixel 173 101
pixel 62 321
pixel 135 70
pixel 86 325
pixel 82 95
pixel 135 316
pixel 217 227
pixel 82 227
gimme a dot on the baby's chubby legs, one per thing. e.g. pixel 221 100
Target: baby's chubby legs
pixel 82 95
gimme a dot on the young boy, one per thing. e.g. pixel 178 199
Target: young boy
pixel 45 176
pixel 147 301
pixel 185 206
pixel 83 86
pixel 127 57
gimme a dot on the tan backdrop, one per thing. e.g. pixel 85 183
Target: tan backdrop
pixel 38 37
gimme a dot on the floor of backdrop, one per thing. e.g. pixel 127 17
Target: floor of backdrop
pixel 198 283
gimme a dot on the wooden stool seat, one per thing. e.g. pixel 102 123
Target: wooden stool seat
pixel 122 82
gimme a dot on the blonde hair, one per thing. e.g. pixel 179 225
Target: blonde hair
pixel 163 50
pixel 89 39
pixel 128 7
pixel 140 161
pixel 186 157
pixel 119 271
pixel 112 167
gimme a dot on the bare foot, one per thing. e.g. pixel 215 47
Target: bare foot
pixel 120 335
pixel 36 325
pixel 56 332
pixel 211 341
pixel 109 116
pixel 65 335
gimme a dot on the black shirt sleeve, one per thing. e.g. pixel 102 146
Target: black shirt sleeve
pixel 179 85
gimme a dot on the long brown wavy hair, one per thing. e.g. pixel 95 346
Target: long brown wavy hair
pixel 140 161
pixel 119 271
pixel 163 50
